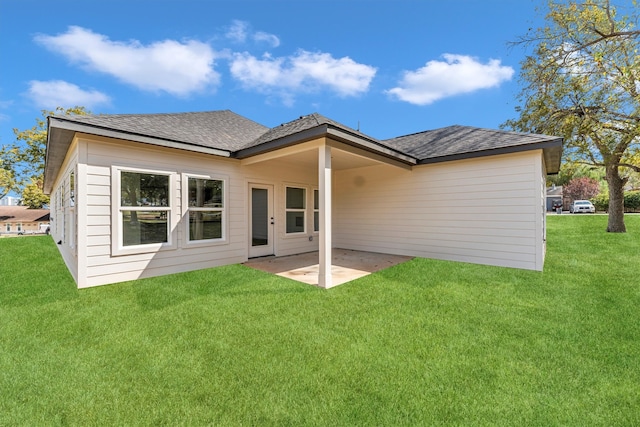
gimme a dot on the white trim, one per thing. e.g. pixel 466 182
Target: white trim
pixel 314 210
pixel 186 208
pixel 270 247
pixel 117 247
pixel 325 278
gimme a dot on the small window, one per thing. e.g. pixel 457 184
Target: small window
pixel 295 209
pixel 144 209
pixel 19 227
pixel 316 210
pixel 8 227
pixel 72 188
pixel 205 209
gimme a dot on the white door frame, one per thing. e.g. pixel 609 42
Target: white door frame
pixel 255 249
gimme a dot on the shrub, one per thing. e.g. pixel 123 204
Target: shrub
pixel 601 202
pixel 631 201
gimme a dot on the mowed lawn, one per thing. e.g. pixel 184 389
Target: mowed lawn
pixel 423 343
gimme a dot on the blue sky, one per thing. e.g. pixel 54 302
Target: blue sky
pixel 390 67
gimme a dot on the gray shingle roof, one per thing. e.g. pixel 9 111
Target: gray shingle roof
pixel 228 134
pixel 458 140
pixel 299 125
pixel 224 130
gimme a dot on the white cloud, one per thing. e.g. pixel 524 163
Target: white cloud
pixel 270 39
pixel 178 68
pixel 457 74
pixel 238 31
pixel 302 72
pixel 57 93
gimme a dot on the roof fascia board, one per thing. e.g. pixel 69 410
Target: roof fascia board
pixel 359 142
pixel 110 133
pixel 365 154
pixel 296 138
pixel 282 152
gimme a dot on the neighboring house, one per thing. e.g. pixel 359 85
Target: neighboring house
pixel 144 195
pixel 22 220
pixel 554 193
pixel 9 201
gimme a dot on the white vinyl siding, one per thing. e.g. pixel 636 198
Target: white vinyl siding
pixel 486 210
pixel 482 210
pixel 101 267
pixel 63 214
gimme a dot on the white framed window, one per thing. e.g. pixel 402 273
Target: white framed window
pixel 143 202
pixel 295 209
pixel 316 211
pixel 19 225
pixel 8 229
pixel 204 208
pixel 72 188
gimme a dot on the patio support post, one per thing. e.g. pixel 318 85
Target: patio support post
pixel 324 195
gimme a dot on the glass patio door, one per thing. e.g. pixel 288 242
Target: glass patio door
pixel 261 220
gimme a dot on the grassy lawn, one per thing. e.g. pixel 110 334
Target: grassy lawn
pixel 426 342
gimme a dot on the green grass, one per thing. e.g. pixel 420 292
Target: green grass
pixel 423 343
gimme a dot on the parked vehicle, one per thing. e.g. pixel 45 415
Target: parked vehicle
pixel 579 206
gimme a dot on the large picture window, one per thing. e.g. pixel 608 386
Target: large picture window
pixel 205 209
pixel 144 208
pixel 295 209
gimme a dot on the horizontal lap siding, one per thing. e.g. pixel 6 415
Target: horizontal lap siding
pixel 102 267
pixel 479 210
pixel 62 227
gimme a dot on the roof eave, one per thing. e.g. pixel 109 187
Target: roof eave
pixel 329 131
pixel 552 152
pixel 61 133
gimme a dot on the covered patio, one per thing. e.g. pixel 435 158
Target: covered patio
pixel 346 265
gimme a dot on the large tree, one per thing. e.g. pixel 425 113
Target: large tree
pixel 25 158
pixel 582 82
pixel 7 179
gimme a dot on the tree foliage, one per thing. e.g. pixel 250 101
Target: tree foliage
pixel 581 82
pixel 24 159
pixel 32 195
pixel 7 181
pixel 581 189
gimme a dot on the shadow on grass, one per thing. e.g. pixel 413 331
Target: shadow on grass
pixel 225 282
pixel 33 273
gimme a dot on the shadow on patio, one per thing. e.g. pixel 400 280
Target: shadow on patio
pixel 347 265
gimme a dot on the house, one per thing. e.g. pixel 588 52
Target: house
pixel 143 195
pixel 9 201
pixel 554 194
pixel 22 220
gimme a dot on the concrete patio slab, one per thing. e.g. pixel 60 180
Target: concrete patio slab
pixel 347 265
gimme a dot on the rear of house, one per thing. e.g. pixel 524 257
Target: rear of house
pixel 137 196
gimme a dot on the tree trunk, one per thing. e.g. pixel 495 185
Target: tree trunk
pixel 616 200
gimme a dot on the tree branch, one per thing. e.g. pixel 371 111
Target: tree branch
pixel 630 166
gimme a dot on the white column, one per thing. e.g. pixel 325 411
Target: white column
pixel 324 196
